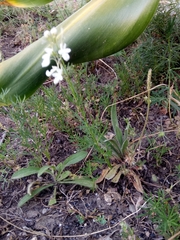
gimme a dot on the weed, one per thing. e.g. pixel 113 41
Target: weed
pixel 101 220
pixel 126 231
pixel 80 219
pixel 178 170
pixel 58 174
pixel 163 214
pixel 31 129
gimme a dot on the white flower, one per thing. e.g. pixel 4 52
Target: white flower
pixel 46 57
pixel 52 32
pixel 64 52
pixel 46 34
pixel 56 73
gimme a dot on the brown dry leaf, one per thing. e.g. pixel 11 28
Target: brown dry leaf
pixel 112 172
pixel 103 174
pixel 134 178
pixel 139 202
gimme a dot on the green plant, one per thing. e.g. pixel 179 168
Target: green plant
pixel 122 153
pixel 127 232
pixel 80 219
pixel 163 214
pixel 59 176
pixel 84 43
pixel 101 219
pixel 178 170
pixel 167 98
pixel 31 130
pixel 159 46
pixel 119 142
pixel 157 152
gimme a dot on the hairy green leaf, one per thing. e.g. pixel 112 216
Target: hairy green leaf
pixel 25 172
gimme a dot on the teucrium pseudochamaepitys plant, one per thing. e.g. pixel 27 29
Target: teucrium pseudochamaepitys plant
pixel 98 29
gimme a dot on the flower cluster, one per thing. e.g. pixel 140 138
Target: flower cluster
pixel 62 54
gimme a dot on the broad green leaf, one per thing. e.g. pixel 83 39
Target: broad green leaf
pixel 24 3
pixel 83 181
pixel 59 167
pixel 43 170
pixel 115 148
pixel 99 29
pixel 28 197
pixel 119 136
pixel 63 176
pixel 124 147
pixel 25 172
pixel 73 159
pixel 114 119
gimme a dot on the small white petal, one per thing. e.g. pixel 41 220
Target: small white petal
pixel 48 50
pixel 64 52
pixel 53 31
pixel 48 73
pixel 56 80
pixel 66 56
pixel 46 60
pixel 46 34
pixel 57 76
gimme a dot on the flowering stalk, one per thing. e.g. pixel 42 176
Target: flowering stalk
pixel 99 29
pixel 50 53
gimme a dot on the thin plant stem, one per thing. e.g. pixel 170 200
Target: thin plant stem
pixel 148 106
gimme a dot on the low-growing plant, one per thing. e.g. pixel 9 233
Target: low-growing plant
pixel 101 219
pixel 127 232
pixel 163 214
pixel 58 174
pixel 31 129
pixel 122 153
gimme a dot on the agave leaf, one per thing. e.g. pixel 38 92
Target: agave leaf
pixel 99 29
pixel 28 197
pixel 112 172
pixel 25 172
pixel 24 3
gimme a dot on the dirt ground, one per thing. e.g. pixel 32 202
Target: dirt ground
pixel 75 214
pixel 79 212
